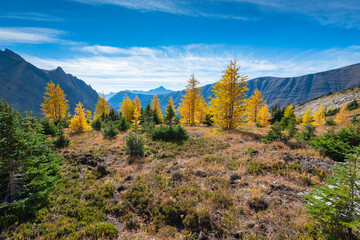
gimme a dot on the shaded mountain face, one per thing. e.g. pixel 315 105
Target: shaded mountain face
pixel 23 85
pixel 284 91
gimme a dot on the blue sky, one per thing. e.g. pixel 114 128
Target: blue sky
pixel 116 44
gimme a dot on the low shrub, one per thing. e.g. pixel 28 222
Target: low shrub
pixel 275 134
pixel 49 128
pixel 134 145
pixel 307 134
pixel 123 125
pixel 337 145
pixel 332 112
pixel 110 131
pixel 330 122
pixel 352 105
pixel 62 141
pixel 97 124
pixel 176 133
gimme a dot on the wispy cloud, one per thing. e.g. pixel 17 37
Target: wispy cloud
pixel 34 16
pixel 179 7
pixel 11 35
pixel 145 68
pixel 335 12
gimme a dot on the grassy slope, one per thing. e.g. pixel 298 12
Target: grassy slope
pixel 217 184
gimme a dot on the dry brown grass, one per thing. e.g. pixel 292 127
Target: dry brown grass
pixel 210 168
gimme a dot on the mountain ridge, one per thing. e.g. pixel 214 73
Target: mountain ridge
pixel 23 84
pixel 275 90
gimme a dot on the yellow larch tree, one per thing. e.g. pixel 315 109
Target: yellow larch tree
pixel 102 107
pixel 228 105
pixel 88 115
pixel 263 116
pixel 341 116
pixel 253 105
pixel 190 103
pixel 136 121
pixel 306 118
pixel 78 122
pixel 137 103
pixel 127 108
pixel 55 106
pixel 319 117
pixel 155 104
pixel 289 112
pixel 202 110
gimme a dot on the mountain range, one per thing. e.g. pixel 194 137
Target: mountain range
pixel 282 91
pixel 23 85
pixel 157 91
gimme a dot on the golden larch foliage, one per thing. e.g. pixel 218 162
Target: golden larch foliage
pixel 341 116
pixel 102 107
pixel 203 109
pixel 55 106
pixel 253 105
pixel 155 104
pixel 136 121
pixel 228 105
pixel 190 103
pixel 306 118
pixel 137 103
pixel 127 108
pixel 78 122
pixel 289 111
pixel 263 116
pixel 88 115
pixel 319 117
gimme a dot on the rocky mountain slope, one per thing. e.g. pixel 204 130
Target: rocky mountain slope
pixel 23 85
pixel 284 91
pixel 329 101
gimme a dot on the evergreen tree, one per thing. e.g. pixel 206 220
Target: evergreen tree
pixel 335 205
pixel 169 115
pixel 276 113
pixel 28 168
pixel 228 105
pixel 102 107
pixel 55 106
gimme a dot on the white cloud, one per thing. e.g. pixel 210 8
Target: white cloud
pixel 9 35
pixel 145 68
pixel 34 16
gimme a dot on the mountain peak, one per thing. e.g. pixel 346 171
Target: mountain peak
pixel 160 88
pixel 60 70
pixel 10 54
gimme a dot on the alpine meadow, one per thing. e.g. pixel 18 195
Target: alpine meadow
pixel 179 129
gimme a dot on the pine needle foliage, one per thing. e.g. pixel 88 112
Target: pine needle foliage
pixel 335 205
pixel 29 169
